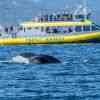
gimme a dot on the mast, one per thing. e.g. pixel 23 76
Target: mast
pixel 86 12
pixel 85 9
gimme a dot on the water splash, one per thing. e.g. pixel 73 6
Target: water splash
pixel 16 59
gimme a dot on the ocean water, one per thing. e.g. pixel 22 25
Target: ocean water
pixel 77 77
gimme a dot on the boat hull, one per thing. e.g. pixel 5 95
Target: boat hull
pixel 92 37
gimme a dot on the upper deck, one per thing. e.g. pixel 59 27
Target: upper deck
pixel 64 22
pixel 79 17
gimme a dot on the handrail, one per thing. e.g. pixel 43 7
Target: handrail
pixel 32 24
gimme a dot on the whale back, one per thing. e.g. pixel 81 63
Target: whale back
pixel 27 55
pixel 38 58
pixel 44 59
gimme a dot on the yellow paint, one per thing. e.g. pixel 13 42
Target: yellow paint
pixel 49 39
pixel 32 24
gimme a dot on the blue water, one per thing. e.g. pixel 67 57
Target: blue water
pixel 76 78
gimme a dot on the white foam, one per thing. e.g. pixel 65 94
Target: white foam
pixel 20 59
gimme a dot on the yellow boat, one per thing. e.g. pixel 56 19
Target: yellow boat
pixel 53 29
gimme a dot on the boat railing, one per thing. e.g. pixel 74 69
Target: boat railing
pixel 80 13
pixel 64 17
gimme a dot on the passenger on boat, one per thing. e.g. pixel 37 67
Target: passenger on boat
pixel 11 28
pixel 6 29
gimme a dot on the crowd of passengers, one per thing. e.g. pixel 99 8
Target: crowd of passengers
pixel 72 29
pixel 14 30
pixel 62 17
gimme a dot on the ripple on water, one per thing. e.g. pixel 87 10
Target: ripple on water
pixel 76 78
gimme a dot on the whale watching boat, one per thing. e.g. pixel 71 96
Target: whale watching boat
pixel 59 27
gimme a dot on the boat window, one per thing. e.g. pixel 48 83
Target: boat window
pixel 47 29
pixel 70 29
pixel 11 28
pixel 52 30
pixel 24 29
pixel 55 30
pixel 42 29
pixel 59 29
pixel 6 29
pixel 95 28
pixel 86 28
pixel 70 17
pixel 62 29
pixel 51 18
pixel 46 18
pixel 78 28
pixel 29 28
pixel 14 35
pixel 80 17
pixel 36 27
pixel 20 28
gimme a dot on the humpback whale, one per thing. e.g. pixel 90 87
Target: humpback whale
pixel 34 58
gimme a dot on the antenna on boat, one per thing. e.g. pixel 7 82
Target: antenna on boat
pixel 82 9
pixel 85 8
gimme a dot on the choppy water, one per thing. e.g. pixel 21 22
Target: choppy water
pixel 76 78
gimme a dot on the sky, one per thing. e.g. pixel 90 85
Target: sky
pixel 20 10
